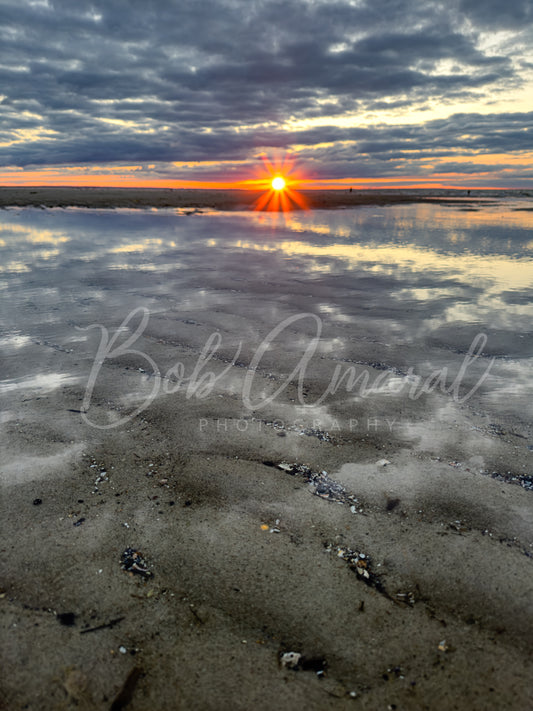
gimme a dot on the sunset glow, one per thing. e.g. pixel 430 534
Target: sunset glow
pixel 397 100
pixel 279 177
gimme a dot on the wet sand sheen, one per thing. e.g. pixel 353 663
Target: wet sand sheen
pixel 403 573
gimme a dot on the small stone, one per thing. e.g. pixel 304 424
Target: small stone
pixel 290 660
pixel 133 562
pixel 382 463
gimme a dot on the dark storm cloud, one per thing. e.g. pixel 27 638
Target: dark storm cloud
pixel 207 80
pixel 495 13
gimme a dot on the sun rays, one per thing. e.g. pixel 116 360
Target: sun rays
pixel 280 183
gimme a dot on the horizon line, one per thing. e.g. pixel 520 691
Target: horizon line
pixel 245 186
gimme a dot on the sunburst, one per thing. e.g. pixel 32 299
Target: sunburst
pixel 281 194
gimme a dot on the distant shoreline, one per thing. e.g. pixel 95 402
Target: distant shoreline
pixel 108 198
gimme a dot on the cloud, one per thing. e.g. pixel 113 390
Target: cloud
pixel 221 80
pixel 494 13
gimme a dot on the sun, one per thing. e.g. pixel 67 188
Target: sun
pixel 279 180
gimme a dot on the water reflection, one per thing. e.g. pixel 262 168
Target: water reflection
pixel 42 382
pixel 419 253
pixel 420 277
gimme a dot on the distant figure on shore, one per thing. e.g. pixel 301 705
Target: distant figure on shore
pixel 468 192
pixel 350 190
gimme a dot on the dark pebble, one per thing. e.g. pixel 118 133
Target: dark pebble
pixel 392 504
pixel 133 562
pixel 67 618
pixel 36 502
pixel 316 664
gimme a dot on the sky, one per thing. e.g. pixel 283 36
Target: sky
pixel 203 93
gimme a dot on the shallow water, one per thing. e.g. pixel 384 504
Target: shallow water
pixel 161 374
pixel 404 289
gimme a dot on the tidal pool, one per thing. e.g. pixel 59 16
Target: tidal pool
pixel 406 290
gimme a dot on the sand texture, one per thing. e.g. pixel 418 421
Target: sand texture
pixel 386 539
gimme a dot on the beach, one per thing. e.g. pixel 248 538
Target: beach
pixel 112 198
pixel 255 460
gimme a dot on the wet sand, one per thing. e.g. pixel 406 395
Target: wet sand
pixel 388 540
pixel 214 199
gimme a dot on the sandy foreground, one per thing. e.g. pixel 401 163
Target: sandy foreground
pixel 398 566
